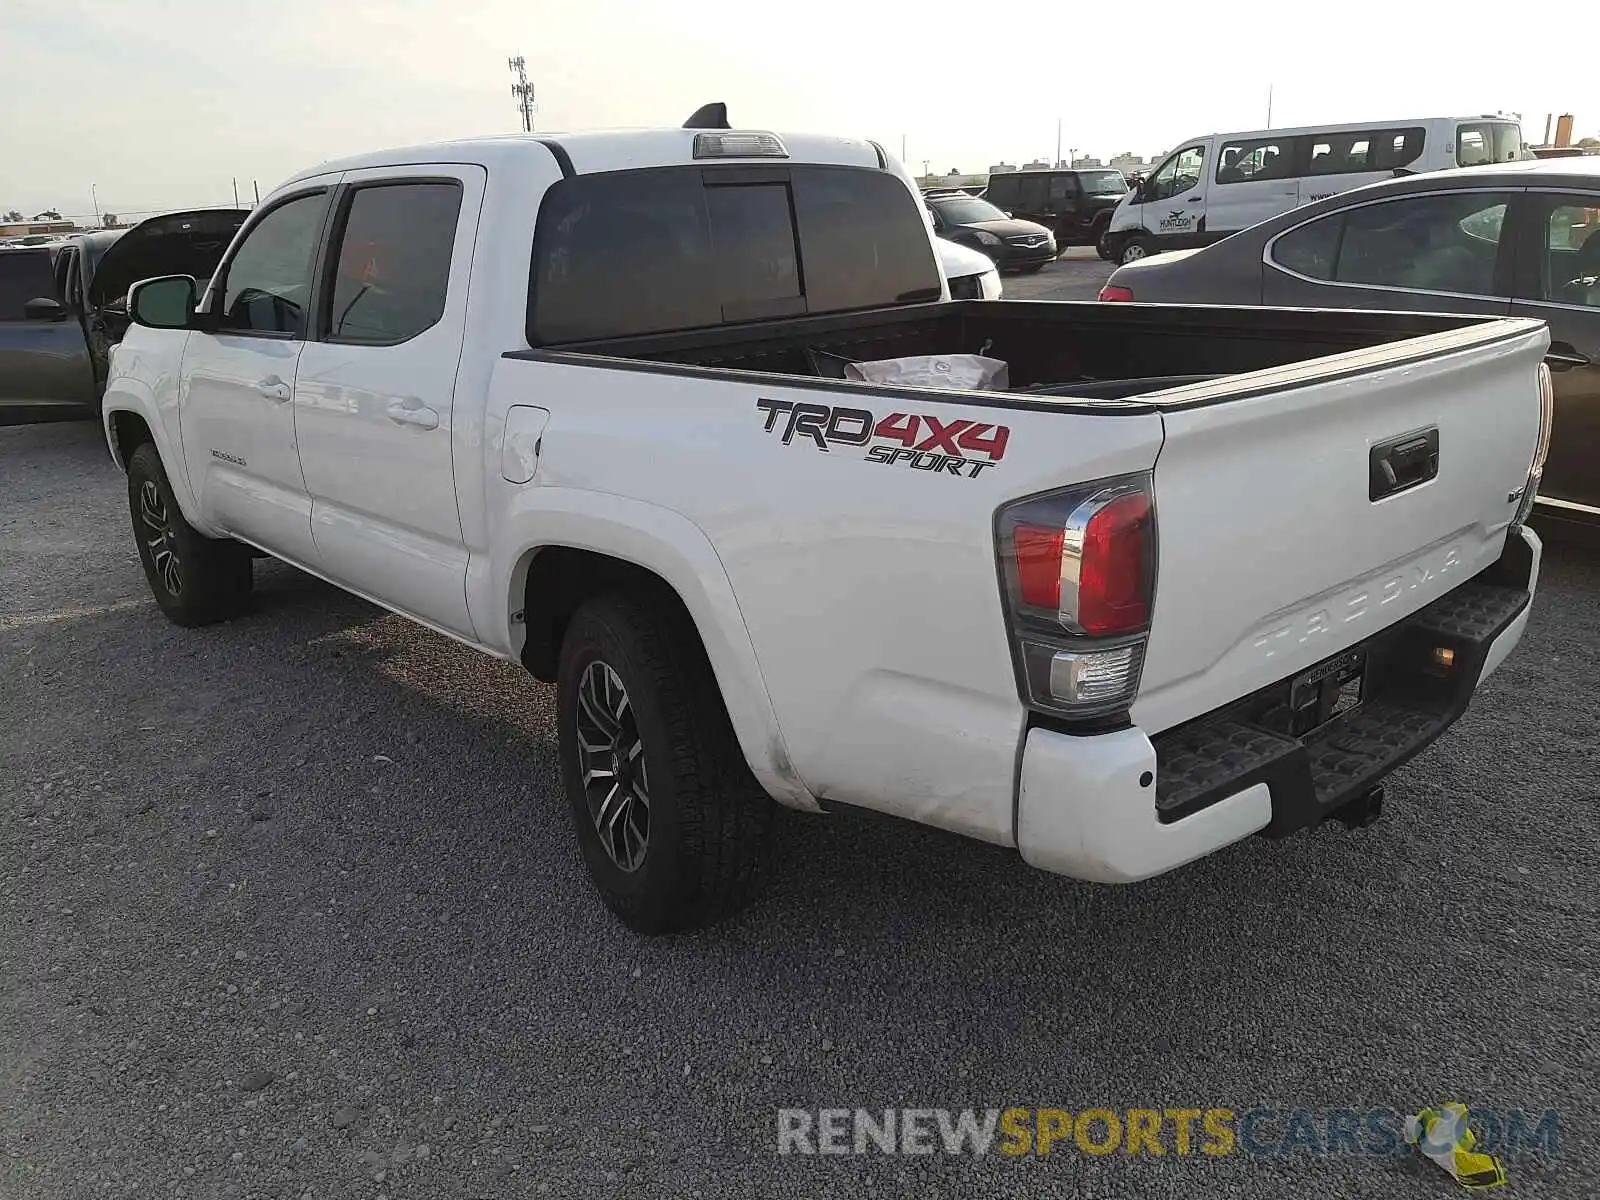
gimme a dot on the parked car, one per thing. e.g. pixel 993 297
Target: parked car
pixel 1521 239
pixel 1013 245
pixel 1074 205
pixel 1219 183
pixel 1189 574
pixel 61 306
pixel 972 276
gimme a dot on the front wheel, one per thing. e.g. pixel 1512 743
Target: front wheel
pixel 1134 249
pixel 1102 243
pixel 669 819
pixel 195 579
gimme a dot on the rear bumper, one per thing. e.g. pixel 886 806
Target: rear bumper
pixel 1120 807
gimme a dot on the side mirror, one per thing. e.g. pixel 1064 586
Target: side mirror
pixel 163 303
pixel 44 309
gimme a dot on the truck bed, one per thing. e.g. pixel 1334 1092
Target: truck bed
pixel 1067 349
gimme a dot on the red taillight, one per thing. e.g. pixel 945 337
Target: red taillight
pixel 1078 572
pixel 1039 565
pixel 1115 291
pixel 1113 574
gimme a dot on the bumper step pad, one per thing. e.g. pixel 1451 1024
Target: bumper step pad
pixel 1410 701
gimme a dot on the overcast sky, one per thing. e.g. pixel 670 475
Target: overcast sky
pixel 160 103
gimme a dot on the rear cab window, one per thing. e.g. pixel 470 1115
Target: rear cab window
pixel 673 248
pixel 24 275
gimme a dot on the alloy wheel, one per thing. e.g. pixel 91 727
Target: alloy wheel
pixel 160 538
pixel 611 760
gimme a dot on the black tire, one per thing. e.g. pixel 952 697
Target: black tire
pixel 705 817
pixel 195 579
pixel 1133 250
pixel 1102 241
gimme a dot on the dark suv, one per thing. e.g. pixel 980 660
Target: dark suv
pixel 1074 205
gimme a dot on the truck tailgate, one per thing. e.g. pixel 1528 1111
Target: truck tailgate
pixel 1274 553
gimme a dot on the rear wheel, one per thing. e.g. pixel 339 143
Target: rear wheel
pixel 1134 249
pixel 195 579
pixel 1102 241
pixel 669 818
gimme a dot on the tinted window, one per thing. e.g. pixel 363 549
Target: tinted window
pixel 636 252
pixel 1438 243
pixel 269 278
pixel 862 242
pixel 393 266
pixel 1311 249
pixel 24 275
pixel 1394 148
pixel 1033 193
pixel 1258 161
pixel 1570 271
pixel 752 238
pixel 1002 190
pixel 1063 187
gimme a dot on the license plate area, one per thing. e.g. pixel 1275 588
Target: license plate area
pixel 1328 690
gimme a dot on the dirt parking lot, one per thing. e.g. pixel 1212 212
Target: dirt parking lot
pixel 291 907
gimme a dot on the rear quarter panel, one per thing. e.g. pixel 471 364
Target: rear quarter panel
pixel 866 591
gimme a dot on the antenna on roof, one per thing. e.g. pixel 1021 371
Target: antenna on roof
pixel 709 116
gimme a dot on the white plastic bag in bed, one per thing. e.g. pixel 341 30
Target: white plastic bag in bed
pixel 971 371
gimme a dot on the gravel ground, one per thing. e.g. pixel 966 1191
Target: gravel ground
pixel 291 907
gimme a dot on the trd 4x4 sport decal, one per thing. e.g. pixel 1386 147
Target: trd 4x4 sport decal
pixel 962 448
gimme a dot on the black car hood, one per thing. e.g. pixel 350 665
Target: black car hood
pixel 182 243
pixel 1010 227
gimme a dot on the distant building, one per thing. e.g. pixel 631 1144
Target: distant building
pixel 1086 162
pixel 29 228
pixel 1128 161
pixel 1001 168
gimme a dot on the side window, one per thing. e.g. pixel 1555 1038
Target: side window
pixel 24 275
pixel 1063 189
pixel 269 277
pixel 1256 162
pixel 1002 191
pixel 1344 153
pixel 1311 249
pixel 1442 242
pixel 1396 148
pixel 1178 174
pixel 393 265
pixel 1570 271
pixel 1033 193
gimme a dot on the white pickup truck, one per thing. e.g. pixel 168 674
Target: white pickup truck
pixel 588 402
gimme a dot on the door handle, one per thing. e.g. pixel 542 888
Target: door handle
pixel 412 411
pixel 273 388
pixel 1565 354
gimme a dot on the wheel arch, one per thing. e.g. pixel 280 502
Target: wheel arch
pixel 584 543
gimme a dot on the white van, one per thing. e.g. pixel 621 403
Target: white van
pixel 1220 183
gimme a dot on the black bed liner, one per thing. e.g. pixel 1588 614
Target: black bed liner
pixel 1062 354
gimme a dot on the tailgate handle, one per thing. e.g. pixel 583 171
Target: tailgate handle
pixel 1403 462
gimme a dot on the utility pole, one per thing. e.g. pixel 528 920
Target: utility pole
pixel 1058 141
pixel 902 147
pixel 1269 106
pixel 95 199
pixel 236 192
pixel 257 185
pixel 522 90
